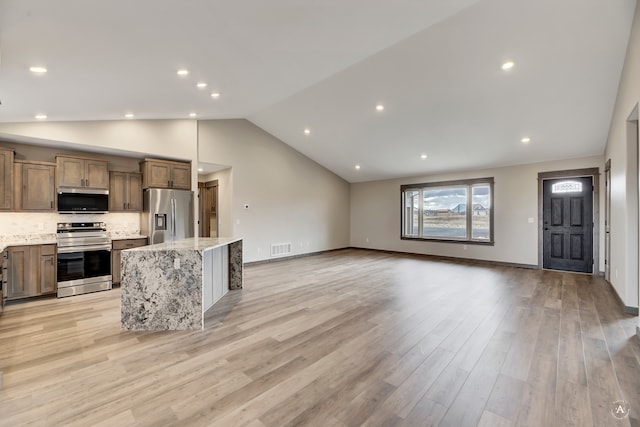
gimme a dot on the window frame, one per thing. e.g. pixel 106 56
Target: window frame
pixel 469 184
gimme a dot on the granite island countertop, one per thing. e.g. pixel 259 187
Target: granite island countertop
pixel 169 286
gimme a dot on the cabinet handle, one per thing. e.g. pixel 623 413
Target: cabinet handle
pixel 86 182
pixel 52 204
pixel 124 205
pixel 82 183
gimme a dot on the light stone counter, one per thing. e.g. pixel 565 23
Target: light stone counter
pixel 37 239
pixel 169 286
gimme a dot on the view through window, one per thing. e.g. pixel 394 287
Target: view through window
pixel 452 210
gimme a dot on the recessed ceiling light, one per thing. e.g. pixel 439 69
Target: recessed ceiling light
pixel 423 156
pixel 215 95
pixel 379 107
pixel 183 72
pixel 200 170
pixel 307 132
pixel 357 167
pixel 193 114
pixel 129 115
pixel 38 70
pixel 525 140
pixel 41 116
pixel 201 85
pixel 507 65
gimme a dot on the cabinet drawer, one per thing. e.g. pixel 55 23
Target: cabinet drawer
pixel 128 243
pixel 48 249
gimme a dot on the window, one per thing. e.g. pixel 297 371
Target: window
pixel 438 211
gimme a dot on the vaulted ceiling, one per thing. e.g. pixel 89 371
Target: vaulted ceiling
pixel 290 65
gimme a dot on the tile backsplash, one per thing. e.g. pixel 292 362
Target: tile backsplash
pixel 16 226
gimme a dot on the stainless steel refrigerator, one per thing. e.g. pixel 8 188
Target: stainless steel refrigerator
pixel 167 215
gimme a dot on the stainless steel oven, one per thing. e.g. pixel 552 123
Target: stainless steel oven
pixel 84 258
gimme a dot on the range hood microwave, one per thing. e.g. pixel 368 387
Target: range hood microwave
pixel 82 200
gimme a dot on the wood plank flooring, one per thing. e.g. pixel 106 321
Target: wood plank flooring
pixel 346 338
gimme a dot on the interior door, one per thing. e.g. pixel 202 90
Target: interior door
pixel 568 224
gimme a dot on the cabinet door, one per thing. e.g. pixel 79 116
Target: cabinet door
pixel 6 179
pixel 96 174
pixel 117 191
pixel 157 175
pixel 48 281
pixel 70 172
pixel 18 272
pixel 135 192
pixel 115 266
pixel 38 187
pixel 181 177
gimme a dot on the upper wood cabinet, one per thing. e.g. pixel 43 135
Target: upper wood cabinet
pixel 34 186
pixel 166 174
pixel 125 192
pixel 6 179
pixel 82 172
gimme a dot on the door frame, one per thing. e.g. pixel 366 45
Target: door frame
pixel 607 221
pixel 594 173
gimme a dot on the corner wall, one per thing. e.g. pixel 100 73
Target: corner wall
pixel 624 196
pixel 375 213
pixel 290 198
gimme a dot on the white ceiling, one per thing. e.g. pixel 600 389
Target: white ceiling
pixel 288 65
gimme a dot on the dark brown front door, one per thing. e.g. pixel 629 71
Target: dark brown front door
pixel 568 224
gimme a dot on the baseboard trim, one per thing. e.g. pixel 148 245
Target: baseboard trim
pixel 456 259
pixel 286 258
pixel 625 308
pixel 631 310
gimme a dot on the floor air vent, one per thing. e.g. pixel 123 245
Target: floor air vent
pixel 280 249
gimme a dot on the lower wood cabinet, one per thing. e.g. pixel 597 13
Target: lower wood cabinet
pixel 31 271
pixel 117 247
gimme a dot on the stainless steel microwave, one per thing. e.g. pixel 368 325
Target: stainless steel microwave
pixel 82 200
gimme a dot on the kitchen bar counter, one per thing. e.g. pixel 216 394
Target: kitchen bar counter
pixel 169 286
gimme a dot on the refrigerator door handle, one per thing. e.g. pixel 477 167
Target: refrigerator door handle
pixel 173 219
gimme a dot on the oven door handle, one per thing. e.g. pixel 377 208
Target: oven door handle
pixel 68 250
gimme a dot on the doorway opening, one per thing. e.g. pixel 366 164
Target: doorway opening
pixel 208 191
pixel 568 215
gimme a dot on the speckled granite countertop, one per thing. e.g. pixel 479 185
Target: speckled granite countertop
pixel 48 239
pixel 190 244
pixel 45 239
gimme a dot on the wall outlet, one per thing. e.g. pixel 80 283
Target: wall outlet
pixel 464 247
pixel 176 263
pixel 366 240
pixel 530 220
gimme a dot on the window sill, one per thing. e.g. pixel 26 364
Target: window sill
pixel 466 242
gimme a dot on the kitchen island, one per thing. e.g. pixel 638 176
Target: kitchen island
pixel 169 286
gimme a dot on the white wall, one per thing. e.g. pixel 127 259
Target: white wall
pixel 624 198
pixel 290 197
pixel 375 213
pixel 176 139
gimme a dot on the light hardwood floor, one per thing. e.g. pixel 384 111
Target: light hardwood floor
pixel 346 338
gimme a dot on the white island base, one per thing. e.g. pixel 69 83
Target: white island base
pixel 169 286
